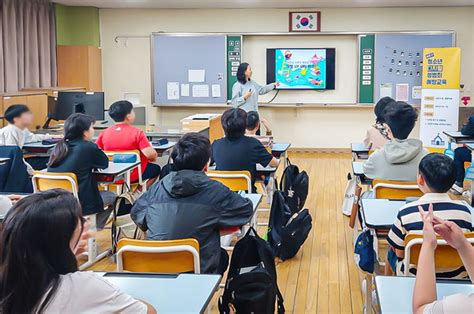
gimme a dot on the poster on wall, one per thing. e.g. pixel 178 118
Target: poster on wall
pixel 439 95
pixel 439 113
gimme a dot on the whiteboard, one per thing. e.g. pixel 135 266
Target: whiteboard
pixel 398 60
pixel 173 56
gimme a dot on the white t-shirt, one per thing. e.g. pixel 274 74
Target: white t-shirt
pixel 86 292
pixel 455 304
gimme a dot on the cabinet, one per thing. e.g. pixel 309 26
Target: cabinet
pixel 80 66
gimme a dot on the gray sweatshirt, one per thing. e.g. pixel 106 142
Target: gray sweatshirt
pixel 251 104
pixel 397 160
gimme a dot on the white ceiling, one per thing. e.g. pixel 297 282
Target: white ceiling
pixel 241 4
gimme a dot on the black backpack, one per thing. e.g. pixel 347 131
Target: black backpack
pixel 251 285
pixel 294 185
pixel 287 231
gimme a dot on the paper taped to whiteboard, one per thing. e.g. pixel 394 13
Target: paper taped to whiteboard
pixel 386 90
pixel 184 90
pixel 201 90
pixel 172 90
pixel 401 92
pixel 196 76
pixel 216 91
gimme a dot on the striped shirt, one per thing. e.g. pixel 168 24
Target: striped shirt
pixel 409 220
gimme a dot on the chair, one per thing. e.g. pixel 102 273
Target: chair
pixel 395 190
pixel 43 181
pixel 170 256
pixel 119 184
pixel 235 180
pixel 445 255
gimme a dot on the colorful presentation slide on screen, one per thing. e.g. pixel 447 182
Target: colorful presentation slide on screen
pixel 300 68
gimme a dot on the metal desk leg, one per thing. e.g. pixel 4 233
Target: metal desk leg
pixel 92 256
pixel 368 294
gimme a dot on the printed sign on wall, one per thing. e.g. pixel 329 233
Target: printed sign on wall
pixel 440 95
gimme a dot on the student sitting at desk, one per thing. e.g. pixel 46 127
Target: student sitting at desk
pixel 424 293
pixel 124 136
pixel 399 157
pixel 16 133
pixel 254 124
pixel 436 175
pixel 462 155
pixel 188 204
pixel 41 235
pixel 236 151
pixel 77 153
pixel 377 135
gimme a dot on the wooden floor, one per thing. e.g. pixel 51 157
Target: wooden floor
pixel 322 277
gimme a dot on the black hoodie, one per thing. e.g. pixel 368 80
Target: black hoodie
pixel 187 204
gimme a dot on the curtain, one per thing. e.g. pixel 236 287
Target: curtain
pixel 27 44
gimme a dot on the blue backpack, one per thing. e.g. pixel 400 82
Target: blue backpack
pixel 364 253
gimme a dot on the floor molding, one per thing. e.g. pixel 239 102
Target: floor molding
pixel 320 150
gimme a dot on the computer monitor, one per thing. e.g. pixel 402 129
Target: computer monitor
pixel 90 103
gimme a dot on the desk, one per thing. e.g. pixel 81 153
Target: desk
pixel 114 170
pixel 256 200
pixel 280 150
pixel 458 138
pixel 358 168
pixel 380 213
pixel 359 151
pixel 174 132
pixel 184 293
pixel 395 294
pixel 38 147
pixel 162 149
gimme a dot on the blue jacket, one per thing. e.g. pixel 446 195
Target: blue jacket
pixel 13 173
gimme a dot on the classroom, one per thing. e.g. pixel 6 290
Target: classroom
pixel 206 156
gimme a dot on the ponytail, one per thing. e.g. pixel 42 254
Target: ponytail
pixel 74 128
pixel 58 154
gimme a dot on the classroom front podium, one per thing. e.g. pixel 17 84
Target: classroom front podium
pixel 198 122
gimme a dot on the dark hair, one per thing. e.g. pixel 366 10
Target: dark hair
pixel 74 128
pixel 234 122
pixel 192 152
pixel 380 108
pixel 15 111
pixel 439 172
pixel 120 109
pixel 253 120
pixel 401 118
pixel 35 249
pixel 241 72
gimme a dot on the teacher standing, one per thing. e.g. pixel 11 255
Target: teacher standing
pixel 245 92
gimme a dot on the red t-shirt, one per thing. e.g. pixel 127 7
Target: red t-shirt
pixel 122 136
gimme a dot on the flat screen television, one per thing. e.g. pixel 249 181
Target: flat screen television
pixel 301 68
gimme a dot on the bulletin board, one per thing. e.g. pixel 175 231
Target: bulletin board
pixel 189 69
pixel 398 63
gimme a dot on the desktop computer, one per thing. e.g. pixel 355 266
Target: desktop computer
pixel 67 103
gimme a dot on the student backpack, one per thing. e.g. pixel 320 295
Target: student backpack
pixel 122 224
pixel 294 185
pixel 287 231
pixel 251 285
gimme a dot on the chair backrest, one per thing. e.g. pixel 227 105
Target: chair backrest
pixel 43 181
pixel 445 256
pixel 170 256
pixel 395 190
pixel 235 180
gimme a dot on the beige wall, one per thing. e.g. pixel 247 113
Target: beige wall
pixel 126 65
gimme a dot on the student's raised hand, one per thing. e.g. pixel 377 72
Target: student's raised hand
pixel 450 232
pixel 429 235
